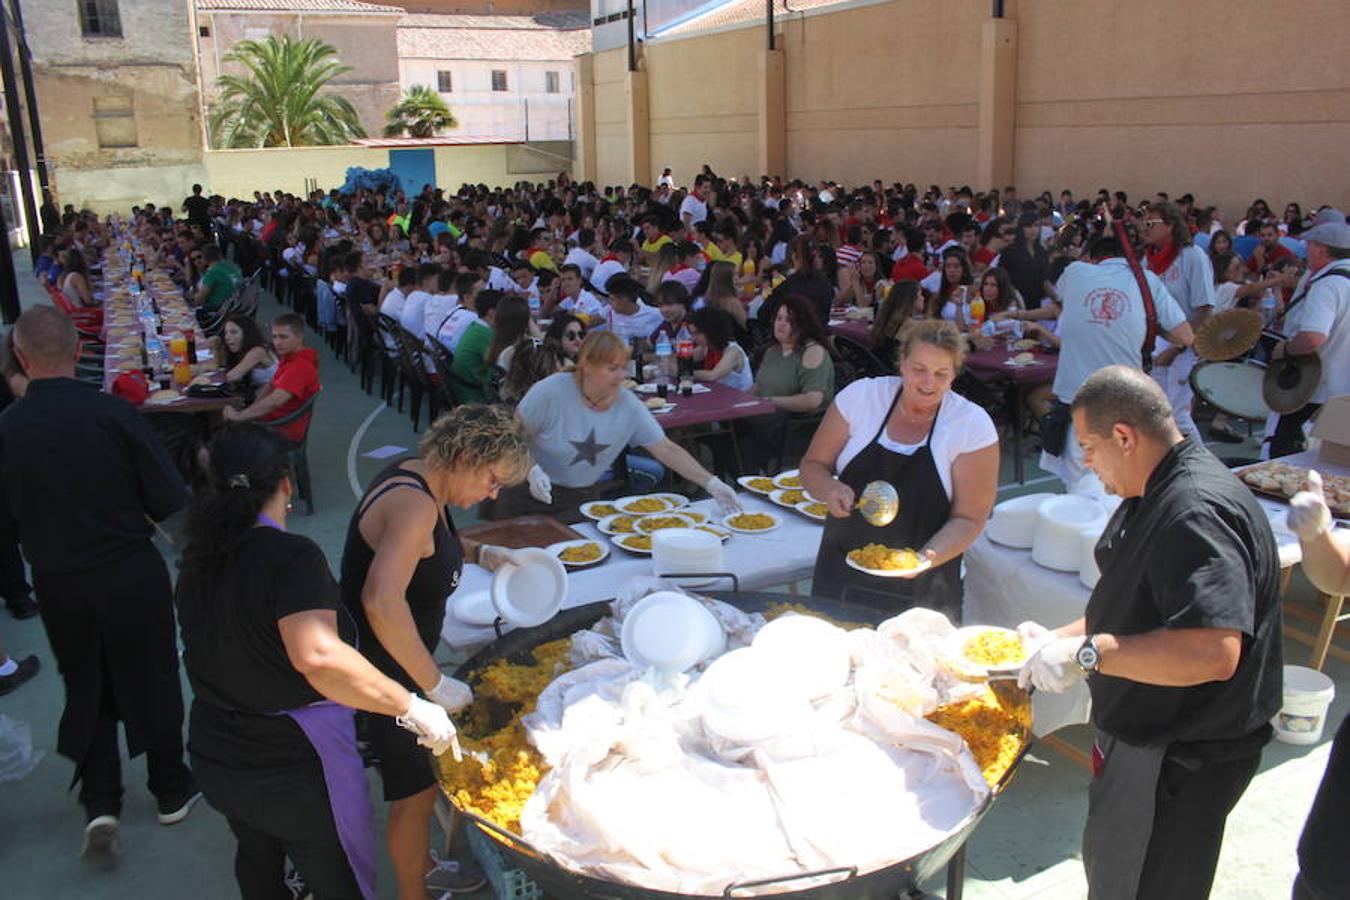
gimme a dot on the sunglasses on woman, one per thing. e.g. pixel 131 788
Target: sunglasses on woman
pixel 574 335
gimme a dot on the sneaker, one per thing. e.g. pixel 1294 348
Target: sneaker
pixel 23 608
pixel 175 808
pixel 100 838
pixel 27 668
pixel 451 877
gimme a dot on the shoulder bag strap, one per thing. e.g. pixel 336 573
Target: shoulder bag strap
pixel 1152 331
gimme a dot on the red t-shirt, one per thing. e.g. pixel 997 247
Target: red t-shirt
pixel 911 267
pixel 984 256
pixel 297 375
pixel 1273 256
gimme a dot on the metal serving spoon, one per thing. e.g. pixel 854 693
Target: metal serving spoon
pixel 879 503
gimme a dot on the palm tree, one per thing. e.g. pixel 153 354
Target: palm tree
pixel 279 103
pixel 421 113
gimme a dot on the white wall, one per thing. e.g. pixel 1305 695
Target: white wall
pixel 483 112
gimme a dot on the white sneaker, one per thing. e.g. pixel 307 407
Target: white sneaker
pixel 450 877
pixel 100 838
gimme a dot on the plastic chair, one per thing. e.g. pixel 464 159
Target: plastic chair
pixel 299 458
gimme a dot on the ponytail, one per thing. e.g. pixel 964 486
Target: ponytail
pixel 245 466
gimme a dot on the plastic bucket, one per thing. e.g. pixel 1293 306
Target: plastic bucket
pixel 1307 697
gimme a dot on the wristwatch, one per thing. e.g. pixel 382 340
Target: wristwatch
pixel 1088 657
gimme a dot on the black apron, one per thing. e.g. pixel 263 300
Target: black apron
pixel 924 509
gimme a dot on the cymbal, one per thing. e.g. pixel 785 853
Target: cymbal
pixel 1228 334
pixel 1290 382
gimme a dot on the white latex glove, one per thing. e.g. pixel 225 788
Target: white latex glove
pixel 432 726
pixel 1034 635
pixel 1054 667
pixel 1308 513
pixel 723 494
pixel 541 486
pixel 451 694
pixel 492 557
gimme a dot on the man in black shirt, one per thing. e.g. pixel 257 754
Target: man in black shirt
pixel 1180 646
pixel 82 477
pixel 198 208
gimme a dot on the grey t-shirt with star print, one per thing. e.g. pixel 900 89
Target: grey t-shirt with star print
pixel 573 443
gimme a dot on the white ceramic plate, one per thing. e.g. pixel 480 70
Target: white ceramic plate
pixel 673 501
pixel 661 410
pixel 618 541
pixel 777 521
pixel 745 482
pixel 643 524
pixel 781 480
pixel 606 525
pixel 957 646
pixel 558 548
pixel 802 508
pixel 593 509
pixel 923 566
pixel 779 498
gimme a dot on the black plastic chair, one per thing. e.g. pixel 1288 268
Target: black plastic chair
pixel 299 458
pixel 386 330
pixel 414 375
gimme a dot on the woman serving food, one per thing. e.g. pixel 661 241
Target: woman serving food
pixel 938 450
pixel 578 423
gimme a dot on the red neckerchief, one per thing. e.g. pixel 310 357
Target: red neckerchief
pixel 678 267
pixel 610 257
pixel 1160 260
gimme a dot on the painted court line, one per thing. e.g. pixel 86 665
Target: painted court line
pixel 355 443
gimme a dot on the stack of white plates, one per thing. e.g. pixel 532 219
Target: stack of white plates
pixel 1060 522
pixel 671 632
pixel 1088 573
pixel 1013 523
pixel 679 550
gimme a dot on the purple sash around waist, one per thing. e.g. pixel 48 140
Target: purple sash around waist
pixel 331 729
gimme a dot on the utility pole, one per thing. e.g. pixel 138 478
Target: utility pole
pixel 26 70
pixel 16 131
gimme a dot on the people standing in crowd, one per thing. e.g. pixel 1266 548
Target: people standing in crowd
pixel 83 479
pixel 578 423
pixel 1317 321
pixel 401 560
pixel 268 649
pixel 197 207
pixel 1185 271
pixel 1102 323
pixel 1180 645
pixel 295 381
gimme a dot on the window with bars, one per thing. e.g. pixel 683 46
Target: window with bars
pixel 551 83
pixel 99 18
pixel 499 79
pixel 444 83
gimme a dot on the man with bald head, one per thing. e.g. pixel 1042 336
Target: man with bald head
pixel 82 480
pixel 1180 646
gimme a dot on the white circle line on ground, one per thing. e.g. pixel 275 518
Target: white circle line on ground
pixel 355 443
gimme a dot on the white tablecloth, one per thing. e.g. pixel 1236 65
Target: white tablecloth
pixel 760 561
pixel 1004 587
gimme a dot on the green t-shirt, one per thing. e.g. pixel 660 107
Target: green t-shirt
pixel 785 376
pixel 471 366
pixel 221 281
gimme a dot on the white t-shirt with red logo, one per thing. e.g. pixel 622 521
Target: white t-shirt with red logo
pixel 1102 322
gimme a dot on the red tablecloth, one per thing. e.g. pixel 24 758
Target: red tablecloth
pixel 992 365
pixel 719 404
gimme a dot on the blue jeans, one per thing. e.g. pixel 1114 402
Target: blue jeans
pixel 644 472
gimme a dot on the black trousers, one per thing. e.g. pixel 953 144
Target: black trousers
pixel 1192 806
pixel 13 582
pixel 112 632
pixel 275 814
pixel 1288 437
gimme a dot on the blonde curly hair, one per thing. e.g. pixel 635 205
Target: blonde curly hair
pixel 475 436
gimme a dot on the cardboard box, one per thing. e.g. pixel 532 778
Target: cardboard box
pixel 1333 429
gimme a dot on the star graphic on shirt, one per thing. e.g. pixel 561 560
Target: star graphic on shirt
pixel 588 450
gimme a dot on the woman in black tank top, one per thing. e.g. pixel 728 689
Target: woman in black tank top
pixel 402 559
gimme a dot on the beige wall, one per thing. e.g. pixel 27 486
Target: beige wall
pixel 703 105
pixel 1228 99
pixel 238 173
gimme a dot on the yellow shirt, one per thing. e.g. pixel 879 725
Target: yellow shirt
pixel 656 245
pixel 541 260
pixel 715 254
